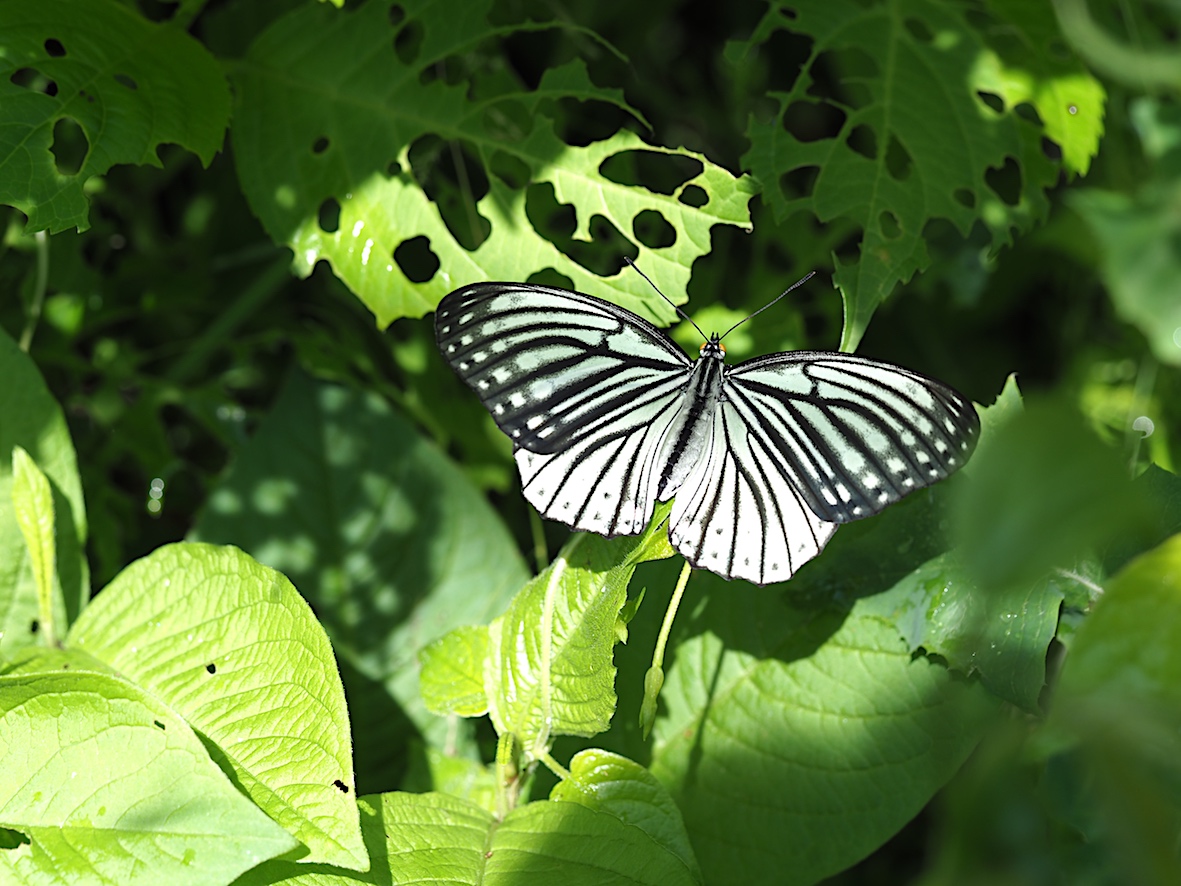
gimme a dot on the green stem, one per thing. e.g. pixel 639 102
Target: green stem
pixel 507 776
pixel 554 766
pixel 654 679
pixel 41 281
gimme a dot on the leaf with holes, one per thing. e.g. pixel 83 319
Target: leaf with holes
pixel 345 135
pixel 887 125
pixel 85 86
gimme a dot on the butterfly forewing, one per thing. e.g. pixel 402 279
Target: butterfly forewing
pixel 554 366
pixel 852 435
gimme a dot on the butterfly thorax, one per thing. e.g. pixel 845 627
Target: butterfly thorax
pixel 690 431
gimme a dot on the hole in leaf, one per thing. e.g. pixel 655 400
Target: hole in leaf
pixel 849 248
pixel 341 786
pixel 394 169
pixel 1051 149
pixel 34 81
pixel 69 147
pixel 694 195
pixel 992 101
pixel 919 30
pixel 1006 181
pixel 1026 111
pixel 416 259
pixel 601 255
pixel 13 839
pixel 329 216
pixel 320 145
pixel 863 140
pixel 840 76
pixel 125 80
pixel 580 123
pixel 553 220
pixel 408 42
pixel 799 182
pixel 965 198
pixel 159 725
pixel 785 52
pixel 513 171
pixel 888 222
pixel 397 15
pixel 34 626
pixel 54 48
pixel 898 162
pixel 211 668
pixel 809 121
pixel 653 230
pixel 662 173
pixel 550 277
pixel 453 177
pixel 508 121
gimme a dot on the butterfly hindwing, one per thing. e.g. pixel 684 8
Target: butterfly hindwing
pixel 738 513
pixel 853 435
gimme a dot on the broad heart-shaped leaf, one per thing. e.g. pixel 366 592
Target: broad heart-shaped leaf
pixel 111 786
pixel 795 740
pixel 327 110
pixel 549 670
pixel 434 838
pixel 130 85
pixel 381 532
pixel 915 142
pixel 30 418
pixel 612 783
pixel 232 647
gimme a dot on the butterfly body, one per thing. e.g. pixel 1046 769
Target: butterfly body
pixel 765 458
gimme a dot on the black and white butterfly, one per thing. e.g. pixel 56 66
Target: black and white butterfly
pixel 608 416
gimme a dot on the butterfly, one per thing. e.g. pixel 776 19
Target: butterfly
pixel 765 458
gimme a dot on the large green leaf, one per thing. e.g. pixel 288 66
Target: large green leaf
pixel 329 107
pixel 796 741
pixel 915 140
pixel 30 418
pixel 130 86
pixel 377 528
pixel 112 788
pixel 232 648
pixel 433 838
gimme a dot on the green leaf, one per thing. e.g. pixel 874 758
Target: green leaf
pixel 433 838
pixel 349 108
pixel 610 783
pixel 1007 406
pixel 1120 697
pixel 905 153
pixel 1137 235
pixel 129 85
pixel 33 420
pixel 1041 494
pixel 231 646
pixel 1002 635
pixel 32 500
pixel 550 671
pixel 111 786
pixel 385 536
pixel 453 672
pixel 1027 64
pixel 796 741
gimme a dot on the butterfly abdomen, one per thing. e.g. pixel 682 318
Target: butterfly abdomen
pixel 691 429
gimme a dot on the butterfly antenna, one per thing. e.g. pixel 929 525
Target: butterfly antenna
pixel 685 316
pixel 795 285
